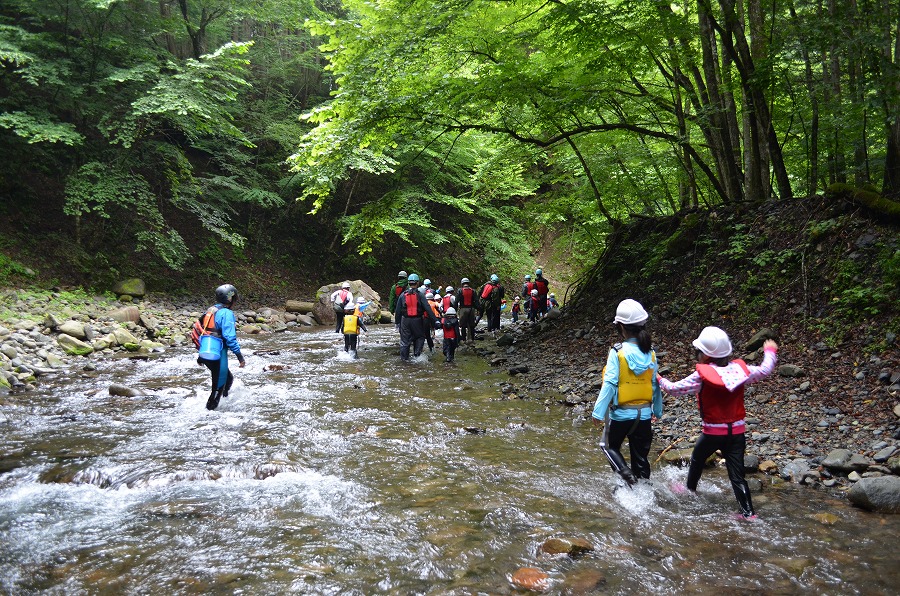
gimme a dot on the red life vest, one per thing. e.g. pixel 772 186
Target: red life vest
pixel 413 308
pixel 528 287
pixel 717 404
pixel 449 330
pixel 468 297
pixel 488 288
pixel 541 286
pixel 447 301
pixel 398 289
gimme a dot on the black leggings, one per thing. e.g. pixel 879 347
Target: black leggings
pixel 732 448
pixel 640 437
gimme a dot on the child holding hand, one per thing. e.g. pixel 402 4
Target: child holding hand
pixel 719 384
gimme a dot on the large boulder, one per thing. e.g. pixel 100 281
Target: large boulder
pixel 299 306
pixel 323 311
pixel 880 494
pixel 133 287
pixel 126 314
pixel 843 460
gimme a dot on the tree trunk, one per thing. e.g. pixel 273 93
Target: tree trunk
pixel 721 146
pixel 891 184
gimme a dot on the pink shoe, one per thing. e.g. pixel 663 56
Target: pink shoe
pixel 746 518
pixel 677 488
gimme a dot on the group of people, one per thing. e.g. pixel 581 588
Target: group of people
pixel 631 397
pixel 631 394
pixel 418 308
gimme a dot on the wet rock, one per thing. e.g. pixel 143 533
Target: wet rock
pixel 251 329
pixel 73 346
pixel 123 391
pixel 854 477
pixel 877 494
pixel 517 370
pixel 768 467
pixel 306 320
pixel 751 463
pixel 795 470
pixel 530 578
pixel 842 460
pixel 585 581
pixel 678 457
pixel 884 454
pixel 568 546
pixel 123 336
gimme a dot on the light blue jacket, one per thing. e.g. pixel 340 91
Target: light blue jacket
pixel 638 362
pixel 225 326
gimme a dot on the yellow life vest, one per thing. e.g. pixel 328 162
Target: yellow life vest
pixel 634 390
pixel 351 324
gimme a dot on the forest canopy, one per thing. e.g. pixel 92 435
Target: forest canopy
pixel 480 127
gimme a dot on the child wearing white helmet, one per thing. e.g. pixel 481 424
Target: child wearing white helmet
pixel 534 306
pixel 719 384
pixel 629 398
pixel 516 309
pixel 451 333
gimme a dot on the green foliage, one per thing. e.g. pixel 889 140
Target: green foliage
pixel 40 129
pixel 10 269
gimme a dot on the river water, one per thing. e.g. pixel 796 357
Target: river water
pixel 326 475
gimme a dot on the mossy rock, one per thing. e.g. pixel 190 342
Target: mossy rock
pixel 682 241
pixel 132 347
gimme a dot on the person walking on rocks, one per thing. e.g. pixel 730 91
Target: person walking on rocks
pixel 339 301
pixel 414 311
pixel 719 384
pixel 466 303
pixel 397 289
pixel 543 288
pixel 491 295
pixel 630 397
pixel 223 326
pixel 527 286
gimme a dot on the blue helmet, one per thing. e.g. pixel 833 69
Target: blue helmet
pixel 538 271
pixel 413 277
pixel 427 282
pixel 527 277
pixel 494 278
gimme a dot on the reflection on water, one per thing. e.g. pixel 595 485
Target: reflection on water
pixel 328 475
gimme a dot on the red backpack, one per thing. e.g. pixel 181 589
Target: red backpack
pixel 205 325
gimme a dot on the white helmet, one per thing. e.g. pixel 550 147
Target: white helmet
pixel 346 285
pixel 360 300
pixel 534 292
pixel 713 342
pixel 630 312
pixel 401 274
pixel 429 296
pixel 448 290
pixel 450 312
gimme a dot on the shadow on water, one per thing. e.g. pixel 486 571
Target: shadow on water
pixel 326 474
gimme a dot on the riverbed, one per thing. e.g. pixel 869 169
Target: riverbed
pixel 324 474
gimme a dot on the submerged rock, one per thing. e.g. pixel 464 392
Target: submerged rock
pixel 877 494
pixel 531 578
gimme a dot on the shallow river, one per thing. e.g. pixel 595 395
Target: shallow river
pixel 325 475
